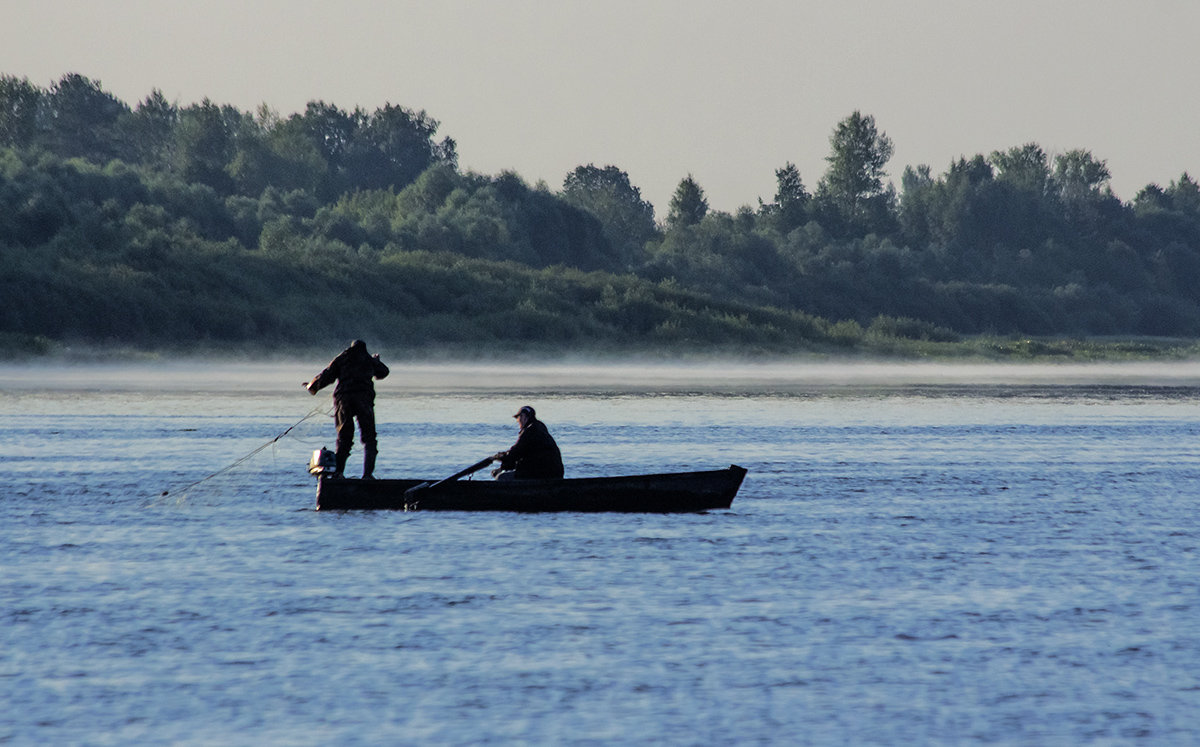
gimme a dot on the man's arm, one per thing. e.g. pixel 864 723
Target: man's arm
pixel 325 378
pixel 381 371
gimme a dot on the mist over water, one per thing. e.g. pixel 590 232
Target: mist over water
pixel 930 554
pixel 587 375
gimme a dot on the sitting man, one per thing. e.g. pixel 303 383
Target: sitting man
pixel 535 454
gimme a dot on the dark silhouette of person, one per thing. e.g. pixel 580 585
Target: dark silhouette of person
pixel 353 399
pixel 534 455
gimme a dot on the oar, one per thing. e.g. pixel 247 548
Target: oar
pixel 462 473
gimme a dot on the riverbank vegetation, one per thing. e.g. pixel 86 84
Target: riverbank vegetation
pixel 163 226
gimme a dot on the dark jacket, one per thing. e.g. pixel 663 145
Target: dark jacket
pixel 535 454
pixel 353 369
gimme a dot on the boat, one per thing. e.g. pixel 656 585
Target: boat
pixel 673 492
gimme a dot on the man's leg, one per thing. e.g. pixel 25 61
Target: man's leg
pixel 343 416
pixel 366 427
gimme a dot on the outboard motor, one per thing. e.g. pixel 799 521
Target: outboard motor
pixel 322 463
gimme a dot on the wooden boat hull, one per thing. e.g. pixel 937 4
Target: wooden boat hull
pixel 663 493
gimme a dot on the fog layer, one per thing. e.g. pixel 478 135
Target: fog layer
pixel 520 376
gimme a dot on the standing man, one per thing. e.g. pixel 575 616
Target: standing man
pixel 353 399
pixel 535 454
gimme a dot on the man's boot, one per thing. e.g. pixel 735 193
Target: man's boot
pixel 369 455
pixel 341 457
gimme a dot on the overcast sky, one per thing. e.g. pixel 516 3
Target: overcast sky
pixel 725 91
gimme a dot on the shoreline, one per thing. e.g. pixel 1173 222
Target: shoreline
pixel 980 348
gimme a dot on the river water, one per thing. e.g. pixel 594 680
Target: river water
pixel 919 555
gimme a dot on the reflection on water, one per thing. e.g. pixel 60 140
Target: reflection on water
pixel 920 554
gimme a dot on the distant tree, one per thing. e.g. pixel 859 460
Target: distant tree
pixel 719 256
pixel 626 219
pixel 255 166
pixel 1181 196
pixel 295 163
pixel 969 213
pixel 429 192
pixel 1081 185
pixel 271 154
pixel 917 190
pixel 978 215
pixel 150 130
pixel 81 119
pixel 206 144
pixel 331 132
pixel 1021 198
pixel 688 204
pixel 1025 167
pixel 852 191
pixel 555 232
pixel 400 148
pixel 1151 198
pixel 1079 176
pixel 1168 224
pixel 389 148
pixel 790 208
pixel 19 104
pixel 1185 195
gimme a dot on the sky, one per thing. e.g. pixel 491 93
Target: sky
pixel 726 92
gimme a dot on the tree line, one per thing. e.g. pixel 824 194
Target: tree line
pixel 165 224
